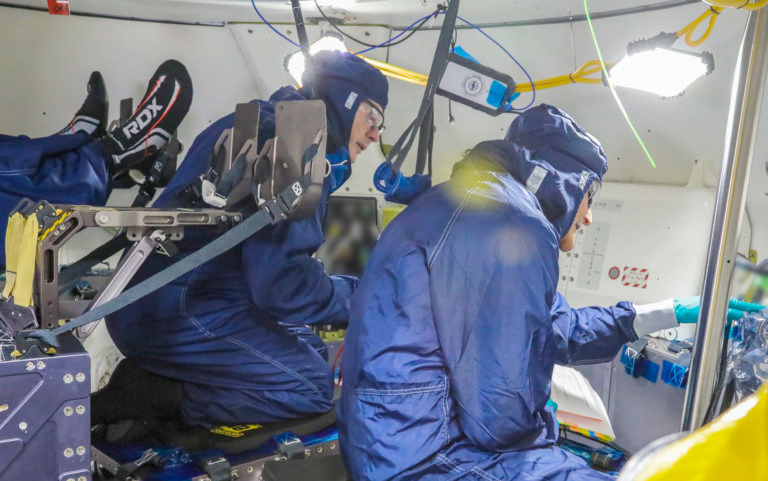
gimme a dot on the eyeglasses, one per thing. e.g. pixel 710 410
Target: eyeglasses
pixel 594 188
pixel 375 118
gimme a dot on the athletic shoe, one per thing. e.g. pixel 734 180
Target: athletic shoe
pixel 159 114
pixel 91 119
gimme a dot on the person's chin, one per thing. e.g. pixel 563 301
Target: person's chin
pixel 354 151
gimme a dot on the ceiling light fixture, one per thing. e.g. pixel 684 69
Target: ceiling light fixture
pixel 653 66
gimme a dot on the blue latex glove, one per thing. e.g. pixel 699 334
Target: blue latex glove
pixel 687 309
pixel 553 404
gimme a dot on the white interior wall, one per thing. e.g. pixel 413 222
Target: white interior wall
pixel 43 78
pixel 381 12
pixel 52 57
pixel 49 59
pixel 652 228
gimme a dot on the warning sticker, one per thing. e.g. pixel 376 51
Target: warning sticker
pixel 235 431
pixel 614 273
pixel 635 277
pixel 58 7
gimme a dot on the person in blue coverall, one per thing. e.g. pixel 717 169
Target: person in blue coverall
pixel 457 323
pixel 77 164
pixel 231 332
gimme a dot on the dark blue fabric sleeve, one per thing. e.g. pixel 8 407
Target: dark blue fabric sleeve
pixel 591 334
pixel 287 282
pixel 492 288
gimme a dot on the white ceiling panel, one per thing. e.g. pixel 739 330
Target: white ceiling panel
pixel 388 12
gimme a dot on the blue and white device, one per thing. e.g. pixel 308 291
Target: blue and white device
pixel 476 85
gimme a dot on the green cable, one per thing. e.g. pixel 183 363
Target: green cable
pixel 613 90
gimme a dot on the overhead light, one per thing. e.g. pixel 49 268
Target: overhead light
pixel 653 66
pixel 294 63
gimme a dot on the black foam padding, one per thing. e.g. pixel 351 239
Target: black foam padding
pixel 192 438
pixel 327 468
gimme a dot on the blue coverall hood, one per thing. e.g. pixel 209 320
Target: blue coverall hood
pixel 549 153
pixel 344 80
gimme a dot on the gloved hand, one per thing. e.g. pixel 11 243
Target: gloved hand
pixel 552 404
pixel 397 187
pixel 687 309
pixel 672 312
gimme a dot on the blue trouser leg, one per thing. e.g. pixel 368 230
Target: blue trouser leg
pixel 235 368
pixel 285 377
pixel 64 169
pixel 464 462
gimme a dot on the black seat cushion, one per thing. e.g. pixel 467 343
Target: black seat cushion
pixel 236 439
pixel 320 468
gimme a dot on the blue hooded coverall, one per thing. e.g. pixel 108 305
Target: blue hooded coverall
pixel 66 169
pixel 457 324
pixel 232 329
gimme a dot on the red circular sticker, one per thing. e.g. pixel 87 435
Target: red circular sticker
pixel 614 272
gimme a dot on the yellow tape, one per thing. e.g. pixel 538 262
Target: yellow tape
pixel 25 269
pixel 235 431
pixel 587 433
pixel 55 224
pixel 13 233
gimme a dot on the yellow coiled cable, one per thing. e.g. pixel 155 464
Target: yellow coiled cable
pixel 580 75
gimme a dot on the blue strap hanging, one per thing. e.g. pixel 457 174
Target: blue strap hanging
pixel 388 177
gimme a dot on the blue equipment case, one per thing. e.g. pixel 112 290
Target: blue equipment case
pixel 45 414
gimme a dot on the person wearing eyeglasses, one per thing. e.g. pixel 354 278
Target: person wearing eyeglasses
pixel 228 343
pixel 457 322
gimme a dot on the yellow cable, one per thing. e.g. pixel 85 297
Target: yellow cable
pixel 392 68
pixel 423 83
pixel 580 75
pixel 741 4
pixel 712 14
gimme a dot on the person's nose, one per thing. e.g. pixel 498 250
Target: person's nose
pixel 588 217
pixel 374 134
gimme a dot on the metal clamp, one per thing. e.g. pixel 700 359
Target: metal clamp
pixel 218 469
pixel 634 359
pixel 290 446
